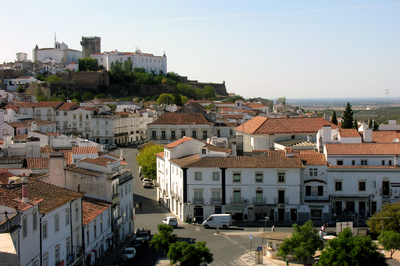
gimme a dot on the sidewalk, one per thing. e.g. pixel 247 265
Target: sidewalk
pixel 247 258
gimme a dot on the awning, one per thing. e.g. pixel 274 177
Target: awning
pixel 61 263
pixel 234 208
pixel 94 250
pixel 89 255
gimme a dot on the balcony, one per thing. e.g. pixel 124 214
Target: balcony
pixel 197 200
pixel 316 198
pixel 117 222
pixel 281 200
pixel 172 194
pixel 237 200
pixel 259 200
pixel 215 200
pixel 8 225
pixel 386 192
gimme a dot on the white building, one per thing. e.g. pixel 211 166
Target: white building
pixel 12 84
pixel 150 62
pixel 60 54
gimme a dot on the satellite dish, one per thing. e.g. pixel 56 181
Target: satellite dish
pixel 396 140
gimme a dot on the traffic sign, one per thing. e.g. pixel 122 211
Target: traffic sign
pixel 251 237
pixel 259 249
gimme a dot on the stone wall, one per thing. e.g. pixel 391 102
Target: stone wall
pixel 89 80
pixel 32 87
pixel 219 88
pixel 10 74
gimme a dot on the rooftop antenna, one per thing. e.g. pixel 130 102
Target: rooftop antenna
pixel 387 96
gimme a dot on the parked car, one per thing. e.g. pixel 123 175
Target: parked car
pixel 138 244
pixel 340 220
pixel 144 235
pixel 120 260
pixel 171 221
pixel 218 220
pixel 130 252
pixel 146 180
pixel 146 184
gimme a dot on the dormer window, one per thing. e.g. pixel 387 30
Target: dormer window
pixel 203 151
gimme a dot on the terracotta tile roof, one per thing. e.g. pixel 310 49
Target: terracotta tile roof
pixel 37 162
pixel 366 167
pixel 84 150
pixel 53 196
pixel 44 150
pixel 67 156
pixel 181 119
pixel 28 123
pixel 68 106
pixel 217 149
pixel 21 136
pixel 13 107
pixel 199 101
pixel 276 159
pixel 256 105
pixel 4 177
pixel 178 142
pixel 226 124
pixel 186 160
pixel 311 158
pixel 284 125
pixel 41 104
pixel 73 168
pixel 385 136
pixel 99 161
pixel 362 148
pixel 233 116
pixel 13 199
pixel 160 154
pixel 92 208
pixel 349 133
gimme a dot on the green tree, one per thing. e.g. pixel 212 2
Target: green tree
pixel 113 107
pixel 165 98
pixel 390 241
pixel 87 96
pixel 20 89
pixel 138 99
pixel 334 118
pixel 209 92
pixel 355 124
pixel 379 220
pixel 370 123
pixel 164 238
pixel 148 98
pixel 177 98
pixel 347 117
pixel 53 79
pixel 40 77
pixel 76 96
pixel 99 96
pixel 75 101
pixel 88 64
pixel 376 126
pixel 40 95
pixel 154 98
pixel 147 159
pixel 128 66
pixel 303 244
pixel 346 250
pixel 174 76
pixel 190 254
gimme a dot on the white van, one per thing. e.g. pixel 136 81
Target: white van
pixel 220 220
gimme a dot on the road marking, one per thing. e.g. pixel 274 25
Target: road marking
pixel 197 229
pixel 236 243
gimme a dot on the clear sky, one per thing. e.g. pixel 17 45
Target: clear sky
pixel 297 49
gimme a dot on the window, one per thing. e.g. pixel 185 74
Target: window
pixel 390 162
pixel 339 162
pixel 363 162
pixel 281 177
pixel 338 185
pixel 353 162
pixel 106 132
pixel 122 192
pixel 259 178
pixel 101 223
pixel 216 197
pixel 383 162
pixel 87 116
pixel 68 246
pixel 204 134
pixel 215 176
pixel 24 227
pixel 44 230
pixel 237 196
pixel 321 191
pixel 87 236
pixel 97 123
pixel 76 212
pixel 308 191
pixel 46 259
pixel 361 185
pixel 162 134
pixel 313 172
pixel 74 117
pixel 198 197
pixel 183 133
pixel 106 123
pixel 153 134
pixel 172 134
pixel 34 217
pixel 57 253
pixel 108 217
pixel 56 222
pixel 94 229
pixel 236 178
pixel 259 196
pixel 194 134
pixel 197 176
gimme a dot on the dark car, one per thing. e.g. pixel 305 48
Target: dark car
pixel 120 260
pixel 340 220
pixel 138 244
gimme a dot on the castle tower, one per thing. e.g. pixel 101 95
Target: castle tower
pixel 90 45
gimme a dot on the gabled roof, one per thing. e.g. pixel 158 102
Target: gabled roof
pixel 256 105
pixel 362 148
pixel 217 149
pixel 311 158
pixel 73 168
pixel 84 150
pixel 41 104
pixel 98 160
pixel 181 119
pixel 53 196
pixel 284 125
pixel 4 175
pixel 68 106
pixel 37 162
pixel 13 199
pixel 92 208
pixel 385 136
pixel 349 133
pixel 178 142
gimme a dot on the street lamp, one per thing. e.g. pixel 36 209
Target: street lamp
pixel 266 220
pixel 189 211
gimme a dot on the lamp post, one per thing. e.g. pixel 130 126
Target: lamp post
pixel 189 212
pixel 266 220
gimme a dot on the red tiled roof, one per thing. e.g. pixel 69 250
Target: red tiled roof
pixel 256 105
pixel 311 158
pixel 99 161
pixel 179 141
pixel 217 149
pixel 181 119
pixel 68 106
pixel 284 125
pixel 13 199
pixel 362 148
pixel 349 133
pixel 84 150
pixel 4 177
pixel 53 196
pixel 92 208
pixel 233 116
pixel 385 136
pixel 82 171
pixel 21 136
pixel 41 104
pixel 37 162
pixel 160 154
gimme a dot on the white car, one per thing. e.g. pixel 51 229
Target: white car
pixel 130 252
pixel 147 184
pixel 171 221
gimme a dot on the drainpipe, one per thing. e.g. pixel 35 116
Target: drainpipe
pixel 185 191
pixel 223 186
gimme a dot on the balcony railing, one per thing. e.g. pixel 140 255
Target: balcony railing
pixel 237 200
pixel 197 200
pixel 9 224
pixel 216 200
pixel 316 198
pixel 281 200
pixel 259 200
pixel 117 221
pixel 386 192
pixel 172 194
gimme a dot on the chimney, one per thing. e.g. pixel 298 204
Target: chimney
pixel 24 189
pixel 233 153
pixel 272 142
pixel 367 135
pixel 289 152
pixel 121 155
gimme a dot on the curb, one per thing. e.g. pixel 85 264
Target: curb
pixel 239 258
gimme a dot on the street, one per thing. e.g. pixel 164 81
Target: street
pixel 225 247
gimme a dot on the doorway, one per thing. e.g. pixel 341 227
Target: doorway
pixel 198 214
pixel 293 214
pixel 281 214
pixel 373 207
pixel 250 212
pixel 338 208
pixel 361 208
